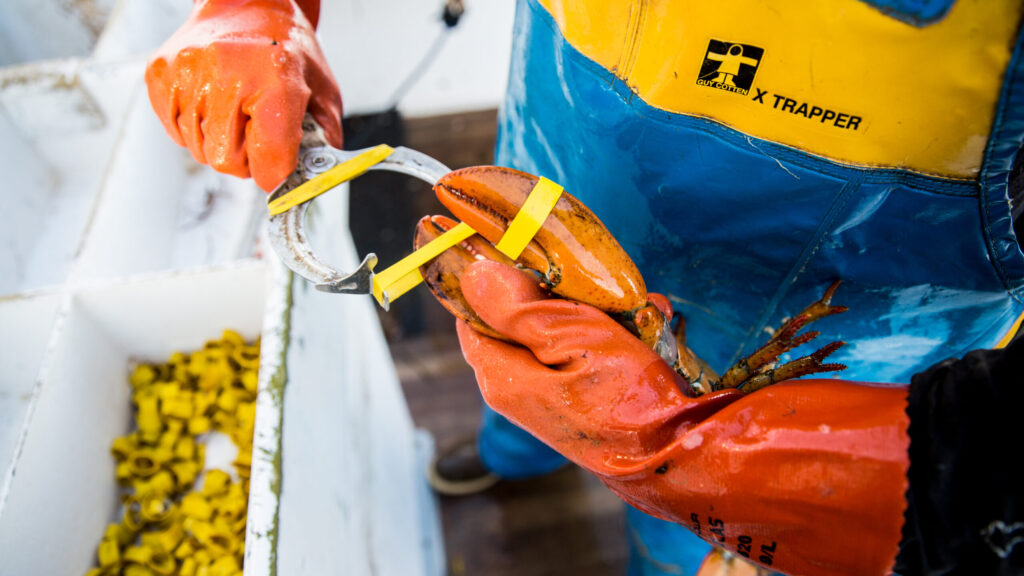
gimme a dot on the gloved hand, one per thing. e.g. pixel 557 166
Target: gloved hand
pixel 234 82
pixel 806 477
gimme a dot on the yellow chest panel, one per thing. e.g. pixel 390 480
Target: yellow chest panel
pixel 836 78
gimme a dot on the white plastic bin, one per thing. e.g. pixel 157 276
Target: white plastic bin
pixel 59 123
pixel 118 248
pixel 27 325
pixel 61 490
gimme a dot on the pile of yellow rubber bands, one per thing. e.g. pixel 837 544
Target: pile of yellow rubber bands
pixel 169 527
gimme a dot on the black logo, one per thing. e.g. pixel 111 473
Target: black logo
pixel 730 66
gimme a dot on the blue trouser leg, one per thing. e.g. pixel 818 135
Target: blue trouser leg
pixel 658 547
pixel 511 452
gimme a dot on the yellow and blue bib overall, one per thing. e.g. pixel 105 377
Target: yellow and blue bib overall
pixel 748 153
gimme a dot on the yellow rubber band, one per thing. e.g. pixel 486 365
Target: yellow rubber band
pixel 404 275
pixel 530 218
pixel 343 172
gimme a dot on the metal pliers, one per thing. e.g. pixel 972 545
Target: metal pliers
pixel 316 158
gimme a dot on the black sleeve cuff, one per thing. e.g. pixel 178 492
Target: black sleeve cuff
pixel 966 424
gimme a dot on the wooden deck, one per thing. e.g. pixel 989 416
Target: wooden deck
pixel 563 523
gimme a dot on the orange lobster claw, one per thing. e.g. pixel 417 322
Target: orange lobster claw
pixel 577 256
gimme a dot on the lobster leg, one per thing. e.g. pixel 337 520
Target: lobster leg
pixel 784 340
pixel 697 373
pixel 811 364
pixel 701 377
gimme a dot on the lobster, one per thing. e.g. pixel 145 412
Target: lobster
pixel 575 257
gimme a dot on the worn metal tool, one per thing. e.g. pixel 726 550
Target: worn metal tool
pixel 316 159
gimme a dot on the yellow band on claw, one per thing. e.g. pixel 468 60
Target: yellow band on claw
pixel 530 218
pixel 404 275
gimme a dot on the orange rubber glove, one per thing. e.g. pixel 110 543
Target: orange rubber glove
pixel 806 477
pixel 234 82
